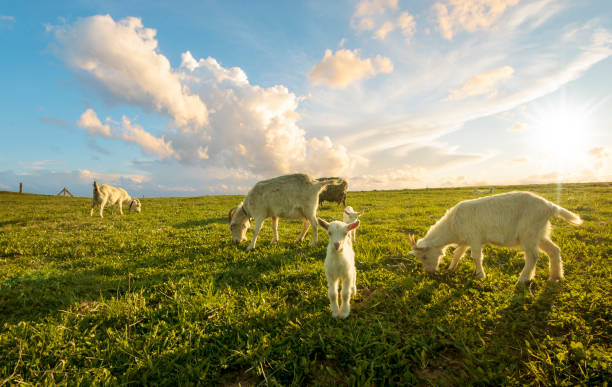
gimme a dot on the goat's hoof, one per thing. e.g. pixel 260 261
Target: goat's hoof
pixel 273 241
pixel 250 248
pixel 344 315
pixel 481 276
pixel 555 279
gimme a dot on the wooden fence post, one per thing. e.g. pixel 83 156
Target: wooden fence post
pixel 20 187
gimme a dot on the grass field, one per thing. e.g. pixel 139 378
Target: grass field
pixel 164 297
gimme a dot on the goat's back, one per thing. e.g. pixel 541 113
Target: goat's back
pixel 284 196
pixel 500 219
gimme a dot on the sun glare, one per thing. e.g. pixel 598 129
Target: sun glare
pixel 560 135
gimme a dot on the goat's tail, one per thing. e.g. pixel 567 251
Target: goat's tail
pixel 96 187
pixel 567 215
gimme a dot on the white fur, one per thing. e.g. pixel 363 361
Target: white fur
pixel 290 196
pixel 108 195
pixel 340 266
pixel 349 216
pixel 515 219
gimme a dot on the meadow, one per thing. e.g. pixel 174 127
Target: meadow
pixel 165 297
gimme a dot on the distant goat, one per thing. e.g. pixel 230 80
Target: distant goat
pixel 108 195
pixel 290 196
pixel 510 219
pixel 334 193
pixel 490 190
pixel 349 216
pixel 340 266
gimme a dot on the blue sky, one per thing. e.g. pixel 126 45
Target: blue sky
pixel 207 97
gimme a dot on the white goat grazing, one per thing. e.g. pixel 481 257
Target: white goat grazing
pixel 509 219
pixel 340 265
pixel 290 196
pixel 349 216
pixel 105 194
pixel 475 190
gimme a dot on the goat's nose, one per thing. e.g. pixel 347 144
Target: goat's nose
pixel 337 245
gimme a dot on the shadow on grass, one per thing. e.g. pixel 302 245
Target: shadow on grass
pixel 201 222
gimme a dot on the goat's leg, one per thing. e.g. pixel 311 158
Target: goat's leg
pixel 305 228
pixel 315 230
pixel 457 255
pixel 477 257
pixel 120 207
pixel 346 297
pixel 332 293
pixel 555 262
pixel 274 229
pixel 258 225
pixel 93 204
pixel 102 208
pixel 354 282
pixel 531 258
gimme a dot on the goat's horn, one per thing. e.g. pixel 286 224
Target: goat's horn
pixel 229 216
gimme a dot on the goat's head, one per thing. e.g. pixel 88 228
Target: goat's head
pixel 351 215
pixel 428 256
pixel 135 205
pixel 337 232
pixel 239 223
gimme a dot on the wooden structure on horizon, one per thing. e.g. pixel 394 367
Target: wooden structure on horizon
pixel 65 192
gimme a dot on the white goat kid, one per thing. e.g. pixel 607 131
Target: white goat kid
pixel 290 196
pixel 510 219
pixel 349 216
pixel 340 266
pixel 108 195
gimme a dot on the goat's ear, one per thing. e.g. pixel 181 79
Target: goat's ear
pixel 322 223
pixel 412 241
pixel 353 225
pixel 229 216
pixel 360 213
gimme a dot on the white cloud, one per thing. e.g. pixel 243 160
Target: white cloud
pixel 89 120
pixel 149 144
pixel 122 58
pixel 379 16
pixel 220 119
pixel 470 15
pixel 127 131
pixel 366 10
pixel 407 24
pixel 344 67
pixel 7 18
pixel 111 178
pixel 482 84
pixel 384 30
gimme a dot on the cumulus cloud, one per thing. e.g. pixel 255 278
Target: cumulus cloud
pixel 344 67
pixel 482 84
pixel 470 15
pixel 89 120
pixel 367 10
pixel 219 118
pixel 127 131
pixel 379 16
pixel 122 58
pixel 407 25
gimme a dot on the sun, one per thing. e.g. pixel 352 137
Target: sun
pixel 560 136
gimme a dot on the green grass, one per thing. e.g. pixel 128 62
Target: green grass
pixel 164 297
